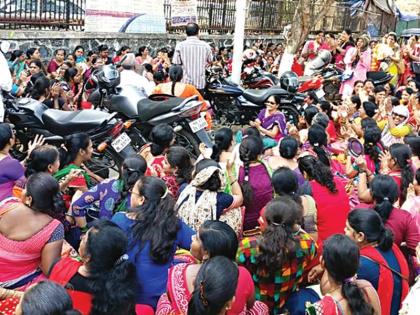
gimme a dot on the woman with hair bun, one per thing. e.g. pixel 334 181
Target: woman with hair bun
pixel 45 158
pixel 113 195
pixel 177 167
pixel 161 137
pixel 288 149
pixel 343 294
pixel 104 281
pixel 254 177
pixel 381 261
pixel 30 239
pixel 278 258
pixel 214 287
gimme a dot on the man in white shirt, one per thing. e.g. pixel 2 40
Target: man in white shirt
pixel 194 55
pixel 129 77
pixel 6 80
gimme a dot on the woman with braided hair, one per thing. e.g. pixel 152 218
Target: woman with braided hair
pixel 372 150
pixel 255 180
pixel 396 163
pixel 330 195
pixel 278 258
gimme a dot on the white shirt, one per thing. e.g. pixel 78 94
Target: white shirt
pixel 6 82
pixel 130 77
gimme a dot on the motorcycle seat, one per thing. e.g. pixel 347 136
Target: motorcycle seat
pixel 148 108
pixel 260 96
pixel 65 123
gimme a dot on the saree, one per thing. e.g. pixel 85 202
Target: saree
pixel 386 283
pixel 175 301
pixel 82 180
pixel 19 260
pixel 326 306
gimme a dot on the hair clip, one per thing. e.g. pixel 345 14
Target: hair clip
pixel 316 144
pixel 165 194
pixel 121 259
pixel 386 198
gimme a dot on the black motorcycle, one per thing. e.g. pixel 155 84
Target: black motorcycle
pixel 130 103
pixel 108 134
pixel 234 105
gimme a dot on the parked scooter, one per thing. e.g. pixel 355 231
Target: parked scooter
pixel 109 135
pixel 130 103
pixel 234 105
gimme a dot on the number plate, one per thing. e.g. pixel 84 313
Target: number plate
pixel 121 142
pixel 320 93
pixel 198 124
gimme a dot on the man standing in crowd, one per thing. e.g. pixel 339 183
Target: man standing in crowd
pixel 5 78
pixel 193 55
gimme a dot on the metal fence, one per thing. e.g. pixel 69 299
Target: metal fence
pixel 271 16
pixel 42 14
pixel 214 16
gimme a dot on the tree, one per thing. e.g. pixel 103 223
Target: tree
pixel 307 13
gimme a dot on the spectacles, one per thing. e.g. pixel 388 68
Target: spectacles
pixel 33 67
pixel 271 103
pixel 398 115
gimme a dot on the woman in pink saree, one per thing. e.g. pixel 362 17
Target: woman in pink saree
pixel 357 60
pixel 214 238
pixel 30 238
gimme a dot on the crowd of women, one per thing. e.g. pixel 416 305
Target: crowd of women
pixel 322 217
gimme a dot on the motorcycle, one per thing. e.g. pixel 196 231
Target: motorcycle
pixel 109 135
pixel 234 105
pixel 258 79
pixel 130 103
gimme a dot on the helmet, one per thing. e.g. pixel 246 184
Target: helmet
pixel 324 57
pixel 108 77
pixel 289 81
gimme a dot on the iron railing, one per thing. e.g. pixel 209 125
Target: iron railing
pixel 42 14
pixel 271 16
pixel 214 16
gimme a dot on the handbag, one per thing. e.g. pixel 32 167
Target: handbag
pixel 415 67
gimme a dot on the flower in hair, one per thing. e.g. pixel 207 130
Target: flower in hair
pixel 202 297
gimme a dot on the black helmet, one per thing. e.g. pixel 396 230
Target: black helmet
pixel 289 81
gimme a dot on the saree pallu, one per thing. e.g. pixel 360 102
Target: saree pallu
pixel 175 301
pixel 19 260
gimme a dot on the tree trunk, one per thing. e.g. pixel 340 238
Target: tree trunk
pixel 306 14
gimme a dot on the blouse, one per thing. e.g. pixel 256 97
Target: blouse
pixel 151 276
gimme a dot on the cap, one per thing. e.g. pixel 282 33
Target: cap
pixel 401 110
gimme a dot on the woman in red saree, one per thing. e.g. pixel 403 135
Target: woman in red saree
pixel 214 238
pixel 381 261
pixel 104 282
pixel 343 294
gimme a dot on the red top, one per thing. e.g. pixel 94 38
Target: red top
pixel 331 131
pixel 62 273
pixel 332 208
pixel 403 226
